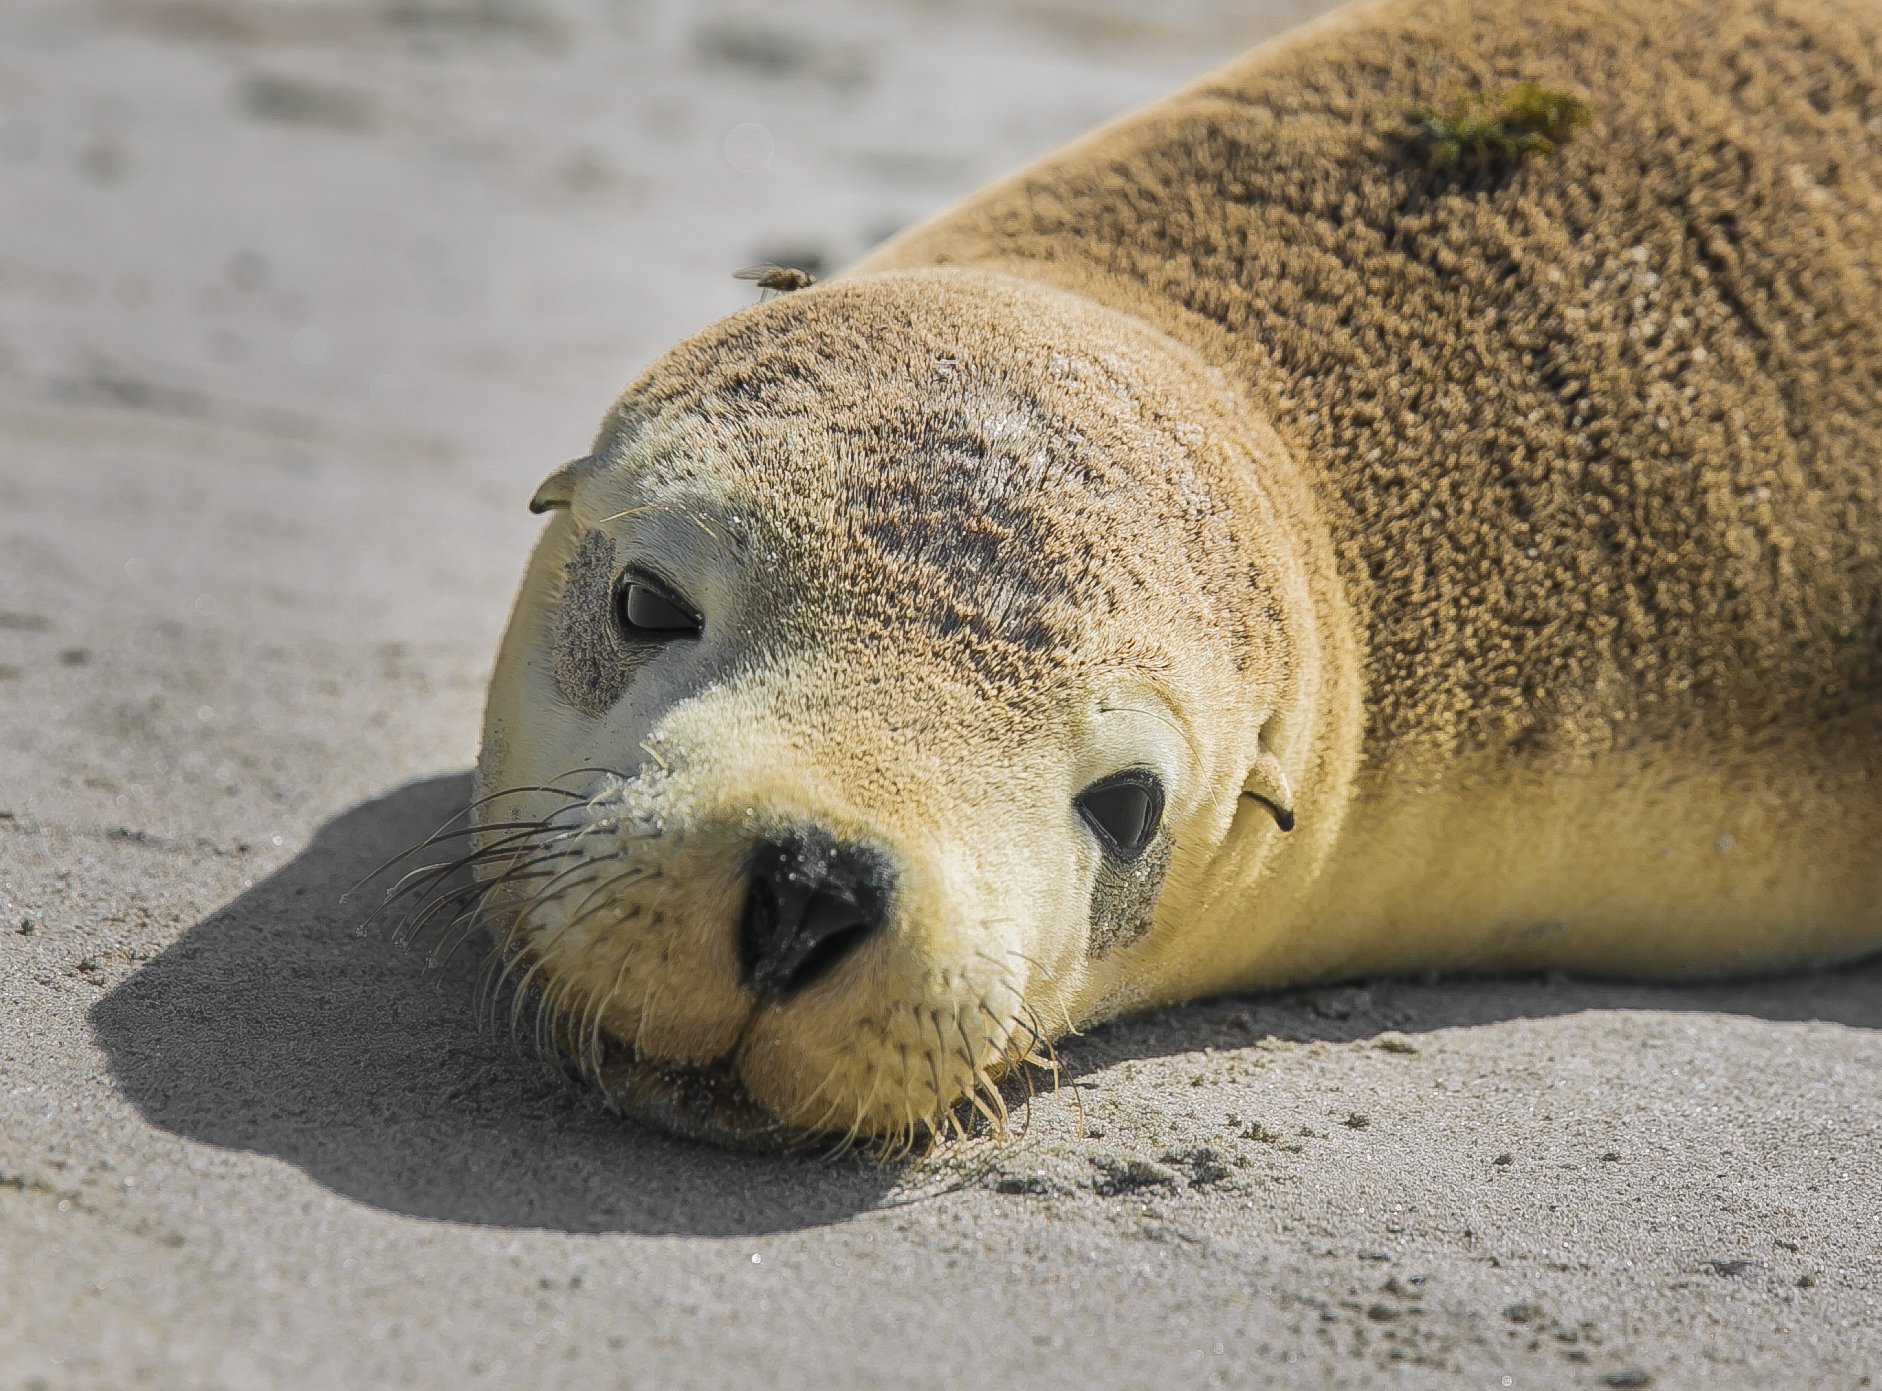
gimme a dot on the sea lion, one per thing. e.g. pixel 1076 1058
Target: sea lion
pixel 1290 534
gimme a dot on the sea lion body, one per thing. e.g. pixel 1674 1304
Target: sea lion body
pixel 1515 533
pixel 1599 448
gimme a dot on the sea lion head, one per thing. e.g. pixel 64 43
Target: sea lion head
pixel 883 686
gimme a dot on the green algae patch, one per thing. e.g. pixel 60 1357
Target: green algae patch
pixel 1495 131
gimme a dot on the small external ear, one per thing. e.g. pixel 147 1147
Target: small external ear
pixel 1267 784
pixel 558 489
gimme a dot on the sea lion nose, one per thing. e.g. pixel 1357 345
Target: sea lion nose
pixel 812 900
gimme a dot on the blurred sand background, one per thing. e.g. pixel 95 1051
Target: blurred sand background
pixel 298 301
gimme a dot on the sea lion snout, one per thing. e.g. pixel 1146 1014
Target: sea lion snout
pixel 812 900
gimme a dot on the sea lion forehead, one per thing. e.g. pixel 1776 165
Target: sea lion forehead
pixel 949 522
pixel 906 486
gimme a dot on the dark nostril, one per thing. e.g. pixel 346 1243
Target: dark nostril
pixel 811 901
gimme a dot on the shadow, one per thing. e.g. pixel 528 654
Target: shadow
pixel 1849 995
pixel 274 1026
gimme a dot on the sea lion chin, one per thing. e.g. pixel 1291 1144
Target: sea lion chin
pixel 1238 551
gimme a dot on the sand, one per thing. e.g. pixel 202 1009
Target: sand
pixel 298 301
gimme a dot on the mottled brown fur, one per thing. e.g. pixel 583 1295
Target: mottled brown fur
pixel 1599 437
pixel 929 496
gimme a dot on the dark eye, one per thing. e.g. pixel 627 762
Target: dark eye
pixel 1124 810
pixel 647 611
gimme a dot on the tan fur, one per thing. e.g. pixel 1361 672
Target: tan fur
pixel 1522 525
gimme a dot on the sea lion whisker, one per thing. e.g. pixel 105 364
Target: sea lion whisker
pixel 1024 1074
pixel 996 1124
pixel 494 982
pixel 550 892
pixel 940 1107
pixel 970 1057
pixel 999 1022
pixel 645 1013
pixel 632 874
pixel 625 876
pixel 835 1104
pixel 520 864
pixel 555 889
pixel 977 1091
pixel 601 1004
pixel 1046 973
pixel 862 1107
pixel 486 828
pixel 905 1135
pixel 426 877
pixel 476 913
pixel 544 947
pixel 841 1148
pixel 943 1049
pixel 437 838
pixel 920 1127
pixel 548 1021
pixel 445 829
pixel 597 768
pixel 452 939
pixel 470 900
pixel 407 928
pixel 829 1075
pixel 1021 1055
pixel 1188 736
pixel 578 1050
pixel 523 995
pixel 551 1015
pixel 1029 1020
pixel 683 511
pixel 495 976
pixel 507 950
pixel 541 1008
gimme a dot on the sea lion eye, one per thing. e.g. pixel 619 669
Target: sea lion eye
pixel 646 611
pixel 1124 810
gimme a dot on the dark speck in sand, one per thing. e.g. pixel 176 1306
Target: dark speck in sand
pixel 1119 1178
pixel 1205 1164
pixel 1028 1185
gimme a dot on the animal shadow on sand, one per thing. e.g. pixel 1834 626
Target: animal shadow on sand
pixel 275 1026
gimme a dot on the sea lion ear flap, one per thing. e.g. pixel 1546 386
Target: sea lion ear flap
pixel 1267 783
pixel 558 489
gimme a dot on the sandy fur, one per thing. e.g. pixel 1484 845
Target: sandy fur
pixel 1597 440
